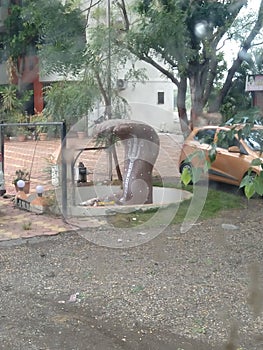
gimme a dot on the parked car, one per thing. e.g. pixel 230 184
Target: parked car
pixel 235 150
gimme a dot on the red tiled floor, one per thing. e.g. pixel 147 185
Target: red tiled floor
pixel 29 155
pixel 35 157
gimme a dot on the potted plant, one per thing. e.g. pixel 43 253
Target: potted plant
pixel 41 129
pixel 22 175
pixel 22 133
pixel 21 130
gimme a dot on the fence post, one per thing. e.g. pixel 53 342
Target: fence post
pixel 64 170
pixel 2 175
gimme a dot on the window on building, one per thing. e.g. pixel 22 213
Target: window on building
pixel 160 98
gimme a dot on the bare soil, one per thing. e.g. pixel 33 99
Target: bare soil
pixel 198 290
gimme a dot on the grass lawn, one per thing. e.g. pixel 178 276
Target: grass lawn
pixel 216 201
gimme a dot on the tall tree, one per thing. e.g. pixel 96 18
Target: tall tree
pixel 106 57
pixel 182 40
pixel 48 27
pixel 61 35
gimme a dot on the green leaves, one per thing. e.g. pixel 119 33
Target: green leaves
pixel 186 176
pixel 253 182
pixel 54 31
pixel 212 153
pixel 258 184
pixel 249 189
pixel 193 173
pixel 70 100
pixel 257 162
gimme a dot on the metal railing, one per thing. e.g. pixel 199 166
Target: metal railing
pixel 63 139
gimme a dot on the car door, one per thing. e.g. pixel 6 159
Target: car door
pixel 228 166
pixel 197 148
pixel 201 144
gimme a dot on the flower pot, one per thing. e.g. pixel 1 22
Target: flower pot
pixel 26 188
pixel 43 136
pixel 21 137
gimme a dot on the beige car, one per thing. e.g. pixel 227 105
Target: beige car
pixel 235 148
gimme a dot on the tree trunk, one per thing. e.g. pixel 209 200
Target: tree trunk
pixel 197 102
pixel 182 112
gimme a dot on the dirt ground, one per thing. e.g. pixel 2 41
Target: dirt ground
pixel 199 290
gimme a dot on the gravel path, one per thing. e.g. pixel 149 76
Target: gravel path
pixel 198 290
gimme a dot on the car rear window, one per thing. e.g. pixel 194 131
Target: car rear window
pixel 205 136
pixel 255 140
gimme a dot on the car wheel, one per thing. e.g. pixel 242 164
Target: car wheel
pixel 187 166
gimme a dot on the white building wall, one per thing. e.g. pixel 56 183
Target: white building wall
pixel 143 99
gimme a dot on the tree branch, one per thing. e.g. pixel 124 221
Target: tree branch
pixel 241 55
pixel 102 89
pixel 164 71
pixel 123 9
